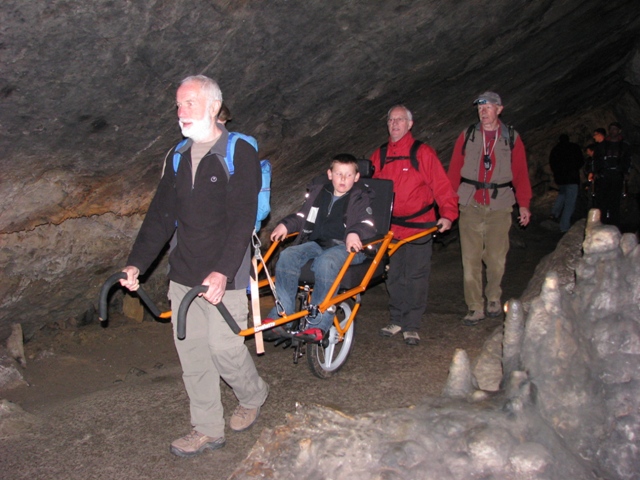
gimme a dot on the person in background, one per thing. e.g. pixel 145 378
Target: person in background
pixel 611 164
pixel 565 161
pixel 225 115
pixel 487 164
pixel 599 134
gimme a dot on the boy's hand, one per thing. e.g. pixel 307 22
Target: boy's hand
pixel 279 233
pixel 353 243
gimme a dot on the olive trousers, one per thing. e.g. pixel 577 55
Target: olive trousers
pixel 484 239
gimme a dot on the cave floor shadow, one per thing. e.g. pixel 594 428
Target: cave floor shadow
pixel 106 403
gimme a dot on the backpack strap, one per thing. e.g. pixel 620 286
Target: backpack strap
pixel 404 221
pixel 231 148
pixel 512 136
pixel 471 132
pixel 383 154
pixel 178 151
pixel 488 186
pixel 413 155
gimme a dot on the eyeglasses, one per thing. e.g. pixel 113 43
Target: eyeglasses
pixel 397 120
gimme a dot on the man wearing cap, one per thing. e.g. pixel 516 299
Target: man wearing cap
pixel 611 163
pixel 489 171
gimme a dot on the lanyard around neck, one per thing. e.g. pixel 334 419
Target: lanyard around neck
pixel 484 144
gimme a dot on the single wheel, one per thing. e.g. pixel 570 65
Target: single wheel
pixel 325 362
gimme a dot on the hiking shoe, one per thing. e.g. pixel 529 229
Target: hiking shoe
pixel 316 333
pixel 243 418
pixel 390 330
pixel 411 338
pixel 494 309
pixel 472 318
pixel 195 443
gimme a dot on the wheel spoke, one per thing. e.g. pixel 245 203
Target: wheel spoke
pixel 325 362
pixel 328 355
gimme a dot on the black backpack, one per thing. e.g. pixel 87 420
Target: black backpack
pixel 413 155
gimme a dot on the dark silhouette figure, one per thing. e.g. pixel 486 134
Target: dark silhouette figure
pixel 610 166
pixel 565 161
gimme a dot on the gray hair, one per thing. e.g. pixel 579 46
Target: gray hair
pixel 209 87
pixel 409 114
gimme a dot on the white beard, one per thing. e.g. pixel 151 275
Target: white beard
pixel 199 130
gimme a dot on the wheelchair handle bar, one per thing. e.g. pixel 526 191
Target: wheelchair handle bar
pixel 104 294
pixel 184 306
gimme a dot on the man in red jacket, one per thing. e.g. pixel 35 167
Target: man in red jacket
pixel 419 183
pixel 487 165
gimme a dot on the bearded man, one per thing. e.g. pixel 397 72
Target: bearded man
pixel 214 215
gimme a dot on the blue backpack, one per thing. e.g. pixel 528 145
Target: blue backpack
pixel 264 197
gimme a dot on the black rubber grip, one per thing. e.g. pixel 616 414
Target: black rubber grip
pixel 103 310
pixel 184 307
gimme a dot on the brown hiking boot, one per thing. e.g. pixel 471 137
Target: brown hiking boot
pixel 472 318
pixel 194 444
pixel 494 309
pixel 243 418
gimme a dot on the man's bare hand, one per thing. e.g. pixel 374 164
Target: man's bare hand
pixel 525 216
pixel 443 224
pixel 131 282
pixel 217 283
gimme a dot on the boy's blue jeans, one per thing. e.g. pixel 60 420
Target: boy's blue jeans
pixel 325 267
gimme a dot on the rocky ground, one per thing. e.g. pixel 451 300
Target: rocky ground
pixel 106 403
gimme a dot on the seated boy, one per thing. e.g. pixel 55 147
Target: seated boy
pixel 334 219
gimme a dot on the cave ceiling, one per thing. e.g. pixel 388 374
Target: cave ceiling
pixel 87 91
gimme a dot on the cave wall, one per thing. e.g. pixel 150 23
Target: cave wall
pixel 87 92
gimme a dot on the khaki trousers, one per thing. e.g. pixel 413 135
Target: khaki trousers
pixel 211 351
pixel 484 238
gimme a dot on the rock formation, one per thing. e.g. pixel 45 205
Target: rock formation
pixel 568 407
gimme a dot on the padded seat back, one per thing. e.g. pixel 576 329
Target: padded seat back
pixel 382 205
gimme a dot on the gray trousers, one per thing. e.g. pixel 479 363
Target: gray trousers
pixel 408 284
pixel 211 351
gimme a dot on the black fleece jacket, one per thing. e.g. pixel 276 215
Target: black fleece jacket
pixel 214 216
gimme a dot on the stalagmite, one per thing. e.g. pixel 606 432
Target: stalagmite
pixel 512 340
pixel 459 383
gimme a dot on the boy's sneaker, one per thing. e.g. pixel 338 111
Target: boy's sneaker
pixel 316 333
pixel 472 318
pixel 243 418
pixel 390 330
pixel 494 309
pixel 411 338
pixel 273 333
pixel 195 443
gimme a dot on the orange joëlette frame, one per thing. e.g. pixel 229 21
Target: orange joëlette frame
pixel 386 246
